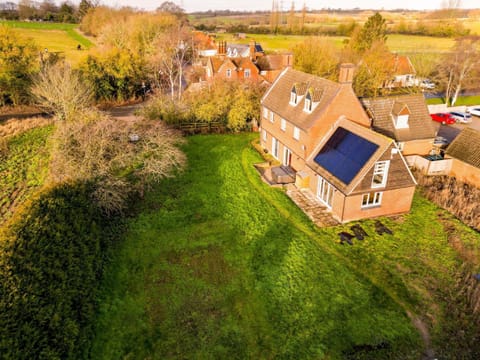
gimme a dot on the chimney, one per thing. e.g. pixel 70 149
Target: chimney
pixel 346 73
pixel 252 50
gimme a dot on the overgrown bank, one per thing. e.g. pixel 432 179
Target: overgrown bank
pixel 52 256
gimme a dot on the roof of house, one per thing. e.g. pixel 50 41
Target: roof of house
pixel 466 147
pixel 277 98
pixel 402 65
pixel 216 63
pixel 347 153
pixel 242 62
pixel 273 62
pixel 242 50
pixel 382 109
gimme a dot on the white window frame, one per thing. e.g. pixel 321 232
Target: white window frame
pixel 293 98
pixel 283 124
pixel 401 121
pixel 265 113
pixel 275 146
pixel 287 155
pixel 308 105
pixel 264 135
pixel 247 73
pixel 380 170
pixel 400 145
pixel 229 73
pixel 296 133
pixel 325 192
pixel 371 199
pixel 272 117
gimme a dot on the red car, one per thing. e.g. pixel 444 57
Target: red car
pixel 443 118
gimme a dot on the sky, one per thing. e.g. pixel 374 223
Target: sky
pixel 252 5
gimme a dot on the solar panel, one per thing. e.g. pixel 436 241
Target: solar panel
pixel 344 154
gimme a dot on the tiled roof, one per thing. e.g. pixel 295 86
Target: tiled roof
pixel 381 109
pixel 216 63
pixel 277 99
pixel 466 147
pixel 402 65
pixel 272 62
pixel 379 140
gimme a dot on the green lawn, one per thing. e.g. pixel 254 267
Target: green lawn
pixel 219 265
pixel 55 37
pixel 23 168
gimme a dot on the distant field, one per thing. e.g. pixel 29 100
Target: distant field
pixel 55 37
pixel 397 43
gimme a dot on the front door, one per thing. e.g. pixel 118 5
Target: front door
pixel 287 157
pixel 324 192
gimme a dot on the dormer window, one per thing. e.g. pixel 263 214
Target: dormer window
pixel 308 102
pixel 293 96
pixel 380 174
pixel 400 115
pixel 297 92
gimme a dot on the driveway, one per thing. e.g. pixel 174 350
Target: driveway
pixel 450 132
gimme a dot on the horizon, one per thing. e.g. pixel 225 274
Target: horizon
pixel 191 6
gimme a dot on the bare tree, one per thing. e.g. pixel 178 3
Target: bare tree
pixel 458 68
pixel 60 90
pixel 173 52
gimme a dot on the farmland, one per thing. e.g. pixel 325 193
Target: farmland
pixel 61 38
pixel 396 43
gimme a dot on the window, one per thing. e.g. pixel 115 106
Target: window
pixel 296 133
pixel 283 124
pixel 371 199
pixel 247 73
pixel 272 118
pixel 380 174
pixel 324 192
pixel 401 122
pixel 400 145
pixel 275 148
pixel 229 73
pixel 308 103
pixel 265 113
pixel 264 135
pixel 293 97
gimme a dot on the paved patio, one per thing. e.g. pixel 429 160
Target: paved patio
pixel 316 211
pixel 303 198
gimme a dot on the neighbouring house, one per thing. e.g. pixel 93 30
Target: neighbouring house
pixel 465 154
pixel 319 130
pixel 251 50
pixel 272 65
pixel 404 74
pixel 404 118
pixel 204 44
pixel 231 69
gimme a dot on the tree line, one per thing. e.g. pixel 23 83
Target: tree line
pixel 47 10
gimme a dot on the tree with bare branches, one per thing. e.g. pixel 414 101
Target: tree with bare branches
pixel 459 68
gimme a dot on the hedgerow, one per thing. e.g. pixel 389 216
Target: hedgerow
pixel 52 254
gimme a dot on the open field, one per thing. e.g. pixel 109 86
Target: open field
pixel 396 43
pixel 219 265
pixel 55 37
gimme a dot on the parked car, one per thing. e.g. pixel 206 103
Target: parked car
pixel 444 118
pixel 427 84
pixel 461 117
pixel 440 141
pixel 474 111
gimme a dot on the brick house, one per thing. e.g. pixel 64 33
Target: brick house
pixel 404 118
pixel 319 130
pixel 465 154
pixel 272 65
pixel 226 68
pixel 404 72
